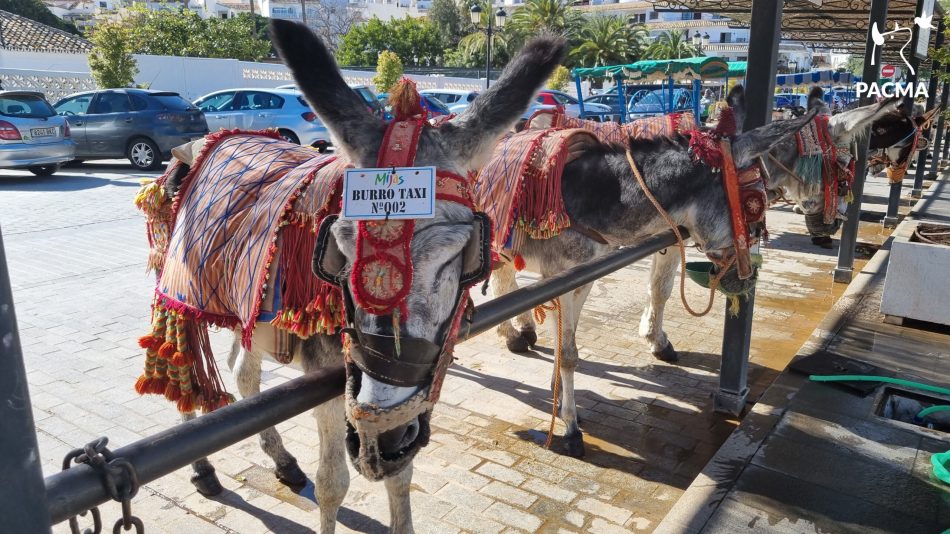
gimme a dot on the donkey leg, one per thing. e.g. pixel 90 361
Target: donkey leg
pixel 662 278
pixel 571 305
pixel 248 377
pixel 400 511
pixel 204 478
pixel 333 478
pixel 503 282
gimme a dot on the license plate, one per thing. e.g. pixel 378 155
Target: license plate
pixel 42 132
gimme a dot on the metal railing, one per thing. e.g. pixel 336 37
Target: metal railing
pixel 80 488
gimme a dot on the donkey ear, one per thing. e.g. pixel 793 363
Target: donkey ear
pixel 750 145
pixel 846 126
pixel 356 131
pixel 736 101
pixel 471 135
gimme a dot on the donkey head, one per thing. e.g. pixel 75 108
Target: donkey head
pixel 895 135
pixel 397 359
pixel 786 164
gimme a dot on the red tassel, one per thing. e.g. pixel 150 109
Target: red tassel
pixel 172 392
pixel 186 404
pixel 167 350
pixel 142 385
pixel 519 263
pixel 157 386
pixel 147 342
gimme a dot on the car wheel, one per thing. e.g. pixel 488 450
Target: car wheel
pixel 43 170
pixel 144 154
pixel 288 136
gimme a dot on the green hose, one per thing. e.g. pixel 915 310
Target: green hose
pixel 927 411
pixel 889 380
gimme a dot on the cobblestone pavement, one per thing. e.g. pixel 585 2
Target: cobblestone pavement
pixel 76 249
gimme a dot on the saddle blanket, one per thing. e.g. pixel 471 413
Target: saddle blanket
pixel 612 132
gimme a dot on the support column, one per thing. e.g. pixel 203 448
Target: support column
pixel 935 67
pixel 894 196
pixel 23 493
pixel 849 234
pixel 940 141
pixel 766 33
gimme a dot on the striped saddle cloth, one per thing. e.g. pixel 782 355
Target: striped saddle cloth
pixel 612 132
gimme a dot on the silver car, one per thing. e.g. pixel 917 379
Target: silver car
pixel 259 109
pixel 454 99
pixel 32 136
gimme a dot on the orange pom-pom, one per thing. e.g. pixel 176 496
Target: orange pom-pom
pixel 181 359
pixel 405 99
pixel 147 342
pixel 157 386
pixel 519 262
pixel 166 350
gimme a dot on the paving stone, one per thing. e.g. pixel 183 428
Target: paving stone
pixel 602 509
pixel 513 517
pixel 509 494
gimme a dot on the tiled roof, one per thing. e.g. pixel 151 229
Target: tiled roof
pixel 21 33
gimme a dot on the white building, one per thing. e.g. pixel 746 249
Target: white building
pixel 293 9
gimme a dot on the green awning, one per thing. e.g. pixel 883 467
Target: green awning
pixel 597 72
pixel 703 68
pixel 737 69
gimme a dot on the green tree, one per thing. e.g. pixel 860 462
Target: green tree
pixel 450 17
pixel 670 45
pixel 545 16
pixel 559 78
pixel 473 47
pixel 415 41
pixel 183 32
pixel 37 10
pixel 110 62
pixel 388 71
pixel 608 41
pixel 855 65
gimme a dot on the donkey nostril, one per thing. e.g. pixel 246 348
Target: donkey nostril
pixel 393 441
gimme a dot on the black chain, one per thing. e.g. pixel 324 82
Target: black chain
pixel 119 478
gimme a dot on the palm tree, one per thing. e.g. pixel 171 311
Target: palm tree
pixel 608 41
pixel 670 45
pixel 473 47
pixel 546 16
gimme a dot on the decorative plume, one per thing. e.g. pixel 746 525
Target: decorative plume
pixel 405 100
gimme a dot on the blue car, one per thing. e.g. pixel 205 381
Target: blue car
pixel 645 103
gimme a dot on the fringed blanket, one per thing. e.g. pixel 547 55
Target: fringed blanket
pixel 818 165
pixel 521 185
pixel 612 132
pixel 235 243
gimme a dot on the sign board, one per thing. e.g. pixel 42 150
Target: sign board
pixel 923 33
pixel 390 193
pixel 887 71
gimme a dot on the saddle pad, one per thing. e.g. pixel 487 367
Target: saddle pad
pixel 521 183
pixel 612 132
pixel 227 220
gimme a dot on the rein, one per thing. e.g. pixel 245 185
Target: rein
pixel 723 266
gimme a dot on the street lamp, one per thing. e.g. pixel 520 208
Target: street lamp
pixel 793 66
pixel 700 41
pixel 500 18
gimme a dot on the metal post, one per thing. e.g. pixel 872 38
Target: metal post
pixel 766 32
pixel 931 99
pixel 940 141
pixel 23 494
pixel 670 80
pixel 894 196
pixel 697 108
pixel 488 49
pixel 621 94
pixel 849 234
pixel 580 94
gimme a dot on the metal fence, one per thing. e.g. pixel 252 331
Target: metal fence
pixel 33 505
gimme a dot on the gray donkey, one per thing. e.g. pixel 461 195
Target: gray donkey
pixel 602 198
pixel 458 146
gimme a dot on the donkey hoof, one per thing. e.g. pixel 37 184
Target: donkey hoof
pixel 530 336
pixel 291 475
pixel 667 353
pixel 207 484
pixel 574 445
pixel 518 344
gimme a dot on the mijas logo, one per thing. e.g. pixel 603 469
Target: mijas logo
pixel 889 89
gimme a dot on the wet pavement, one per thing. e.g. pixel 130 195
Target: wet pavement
pixel 813 457
pixel 76 248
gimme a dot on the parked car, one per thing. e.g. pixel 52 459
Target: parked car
pixel 259 109
pixel 454 99
pixel 569 104
pixel 645 103
pixel 138 124
pixel 364 92
pixel 32 136
pixel 609 100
